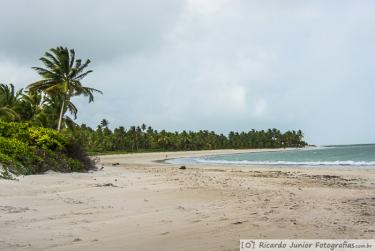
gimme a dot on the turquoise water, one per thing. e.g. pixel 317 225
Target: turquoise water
pixel 345 155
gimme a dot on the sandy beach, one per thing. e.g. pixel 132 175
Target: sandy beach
pixel 135 203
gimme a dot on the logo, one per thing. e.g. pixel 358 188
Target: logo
pixel 247 245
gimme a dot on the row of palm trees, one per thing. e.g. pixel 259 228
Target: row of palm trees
pixel 145 138
pixel 46 101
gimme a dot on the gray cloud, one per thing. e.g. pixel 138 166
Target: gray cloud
pixel 100 30
pixel 218 65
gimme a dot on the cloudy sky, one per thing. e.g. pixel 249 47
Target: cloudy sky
pixel 209 64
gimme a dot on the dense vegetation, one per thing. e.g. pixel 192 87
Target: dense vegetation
pixel 38 145
pixel 36 134
pixel 26 149
pixel 143 138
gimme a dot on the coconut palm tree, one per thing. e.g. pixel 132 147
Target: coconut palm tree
pixel 104 123
pixel 8 114
pixel 9 99
pixel 51 108
pixel 62 77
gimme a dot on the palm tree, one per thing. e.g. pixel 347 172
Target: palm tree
pixel 104 123
pixel 143 127
pixel 8 114
pixel 62 77
pixel 9 99
pixel 51 109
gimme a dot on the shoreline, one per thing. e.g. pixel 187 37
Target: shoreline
pixel 134 203
pixel 342 165
pixel 160 158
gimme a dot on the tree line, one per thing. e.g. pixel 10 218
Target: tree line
pixel 145 138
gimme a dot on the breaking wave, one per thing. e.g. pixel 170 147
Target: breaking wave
pixel 270 163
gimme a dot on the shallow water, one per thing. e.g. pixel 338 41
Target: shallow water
pixel 343 155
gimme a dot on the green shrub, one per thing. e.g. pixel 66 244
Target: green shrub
pixel 46 138
pixel 16 156
pixel 75 151
pixel 25 149
pixel 13 129
pixel 7 163
pixel 34 136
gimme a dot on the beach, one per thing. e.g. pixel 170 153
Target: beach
pixel 138 202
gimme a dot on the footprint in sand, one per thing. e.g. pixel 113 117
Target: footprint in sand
pixel 14 210
pixel 181 208
pixel 195 221
pixel 166 221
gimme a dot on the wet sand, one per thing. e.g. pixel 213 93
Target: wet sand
pixel 135 203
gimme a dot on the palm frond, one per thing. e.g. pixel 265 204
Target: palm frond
pixel 52 57
pixel 72 109
pixel 87 92
pixel 80 68
pixel 81 76
pixel 9 114
pixel 48 63
pixel 72 58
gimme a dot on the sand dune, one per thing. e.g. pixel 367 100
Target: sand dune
pixel 140 204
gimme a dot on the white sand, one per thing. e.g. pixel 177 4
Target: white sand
pixel 143 205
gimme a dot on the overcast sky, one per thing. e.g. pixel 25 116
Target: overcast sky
pixel 209 64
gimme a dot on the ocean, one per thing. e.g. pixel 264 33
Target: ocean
pixel 342 155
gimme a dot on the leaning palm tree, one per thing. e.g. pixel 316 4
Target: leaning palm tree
pixel 62 77
pixel 51 109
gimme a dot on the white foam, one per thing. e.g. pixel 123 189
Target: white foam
pixel 288 163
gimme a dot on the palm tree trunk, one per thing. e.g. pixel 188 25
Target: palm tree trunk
pixel 61 115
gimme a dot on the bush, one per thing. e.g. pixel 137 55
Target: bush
pixel 76 152
pixel 25 149
pixel 7 163
pixel 16 156
pixel 34 136
pixel 46 138
pixel 13 129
